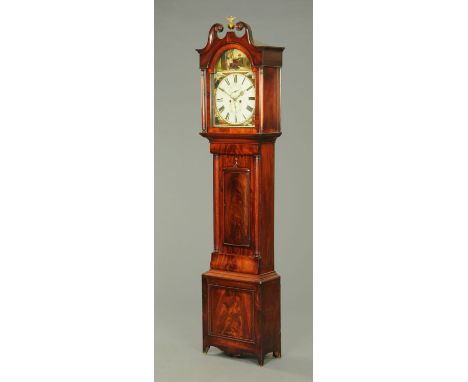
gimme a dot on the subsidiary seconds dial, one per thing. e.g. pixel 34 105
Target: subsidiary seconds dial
pixel 235 99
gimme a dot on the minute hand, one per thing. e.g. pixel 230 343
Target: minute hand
pixel 225 92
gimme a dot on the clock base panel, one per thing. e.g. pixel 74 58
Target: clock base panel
pixel 241 313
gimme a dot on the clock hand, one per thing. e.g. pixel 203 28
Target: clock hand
pixel 240 95
pixel 225 92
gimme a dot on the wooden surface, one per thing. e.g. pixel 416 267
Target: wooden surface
pixel 236 194
pixel 241 313
pixel 241 291
pixel 231 312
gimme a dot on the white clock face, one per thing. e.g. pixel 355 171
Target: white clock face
pixel 235 99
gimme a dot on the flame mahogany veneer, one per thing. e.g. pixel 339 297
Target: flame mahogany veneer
pixel 241 291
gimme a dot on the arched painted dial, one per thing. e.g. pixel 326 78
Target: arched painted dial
pixel 235 99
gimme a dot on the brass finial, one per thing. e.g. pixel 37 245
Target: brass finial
pixel 231 23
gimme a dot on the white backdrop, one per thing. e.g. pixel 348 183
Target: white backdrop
pixel 76 191
pixel 390 190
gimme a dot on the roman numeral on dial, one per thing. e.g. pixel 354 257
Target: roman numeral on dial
pixel 249 108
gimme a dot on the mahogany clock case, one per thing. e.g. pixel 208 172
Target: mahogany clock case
pixel 241 291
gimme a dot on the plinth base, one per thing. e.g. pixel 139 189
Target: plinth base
pixel 241 313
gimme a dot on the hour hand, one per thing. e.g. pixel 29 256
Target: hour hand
pixel 240 95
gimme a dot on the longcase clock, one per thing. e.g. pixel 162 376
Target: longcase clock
pixel 241 119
